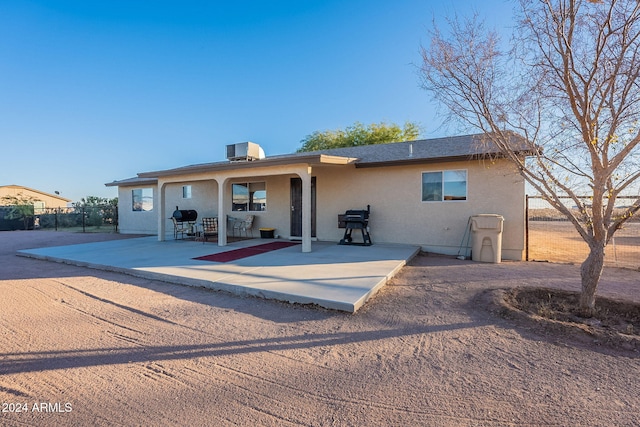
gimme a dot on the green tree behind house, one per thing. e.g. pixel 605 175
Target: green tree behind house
pixel 98 210
pixel 359 134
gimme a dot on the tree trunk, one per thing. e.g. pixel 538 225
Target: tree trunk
pixel 591 270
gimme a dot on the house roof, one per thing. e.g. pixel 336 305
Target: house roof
pixel 20 187
pixel 438 150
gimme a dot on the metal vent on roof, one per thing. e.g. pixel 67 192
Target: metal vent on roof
pixel 244 151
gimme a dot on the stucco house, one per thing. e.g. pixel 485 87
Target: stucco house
pixel 420 192
pixel 41 199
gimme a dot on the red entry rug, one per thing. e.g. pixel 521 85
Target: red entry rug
pixel 245 252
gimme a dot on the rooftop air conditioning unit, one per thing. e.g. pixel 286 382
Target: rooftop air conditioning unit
pixel 244 151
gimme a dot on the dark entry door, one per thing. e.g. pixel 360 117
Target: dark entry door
pixel 296 207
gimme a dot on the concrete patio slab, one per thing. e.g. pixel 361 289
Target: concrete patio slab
pixel 331 276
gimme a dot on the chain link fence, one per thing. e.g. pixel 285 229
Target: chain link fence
pixel 98 218
pixel 552 237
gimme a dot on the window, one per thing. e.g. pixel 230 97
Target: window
pixel 38 207
pixel 444 186
pixel 250 196
pixel 186 191
pixel 142 199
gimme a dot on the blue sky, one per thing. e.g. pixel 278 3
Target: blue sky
pixel 96 91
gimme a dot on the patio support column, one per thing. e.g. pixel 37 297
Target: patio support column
pixel 222 209
pixel 306 210
pixel 162 209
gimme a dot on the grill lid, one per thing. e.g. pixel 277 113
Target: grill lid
pixel 185 215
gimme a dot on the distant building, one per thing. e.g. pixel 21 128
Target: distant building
pixel 41 199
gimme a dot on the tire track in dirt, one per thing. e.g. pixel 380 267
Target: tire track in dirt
pixel 126 312
pixel 153 371
pixel 99 320
pixel 264 388
pixel 125 338
pixel 13 392
pixel 267 390
pixel 55 384
pixel 438 399
pixel 120 306
pixel 227 388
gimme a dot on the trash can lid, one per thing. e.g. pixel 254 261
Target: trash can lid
pixel 487 221
pixel 267 229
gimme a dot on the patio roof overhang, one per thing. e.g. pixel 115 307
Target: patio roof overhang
pixel 299 164
pixel 132 182
pixel 309 160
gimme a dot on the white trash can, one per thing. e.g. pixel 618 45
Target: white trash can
pixel 486 230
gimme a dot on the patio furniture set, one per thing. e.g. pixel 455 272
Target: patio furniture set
pixel 185 226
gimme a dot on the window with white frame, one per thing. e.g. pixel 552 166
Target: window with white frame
pixel 38 207
pixel 444 186
pixel 186 191
pixel 251 196
pixel 142 199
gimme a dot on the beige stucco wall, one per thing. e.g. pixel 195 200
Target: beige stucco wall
pixel 204 200
pixel 397 213
pixel 136 222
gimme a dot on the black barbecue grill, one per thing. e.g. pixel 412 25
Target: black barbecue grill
pixel 184 221
pixel 185 215
pixel 355 219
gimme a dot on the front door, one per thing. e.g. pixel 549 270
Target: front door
pixel 296 207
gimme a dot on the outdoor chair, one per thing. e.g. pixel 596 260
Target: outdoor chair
pixel 231 224
pixel 209 228
pixel 245 225
pixel 179 228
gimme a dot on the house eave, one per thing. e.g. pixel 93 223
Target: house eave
pixel 132 182
pixel 432 160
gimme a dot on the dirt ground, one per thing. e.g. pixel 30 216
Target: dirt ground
pixel 82 347
pixel 558 241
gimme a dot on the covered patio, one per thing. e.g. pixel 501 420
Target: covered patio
pixel 330 276
pixel 221 177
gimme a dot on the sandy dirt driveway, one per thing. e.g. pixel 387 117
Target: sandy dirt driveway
pixel 81 347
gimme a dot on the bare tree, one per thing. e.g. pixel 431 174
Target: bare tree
pixel 568 83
